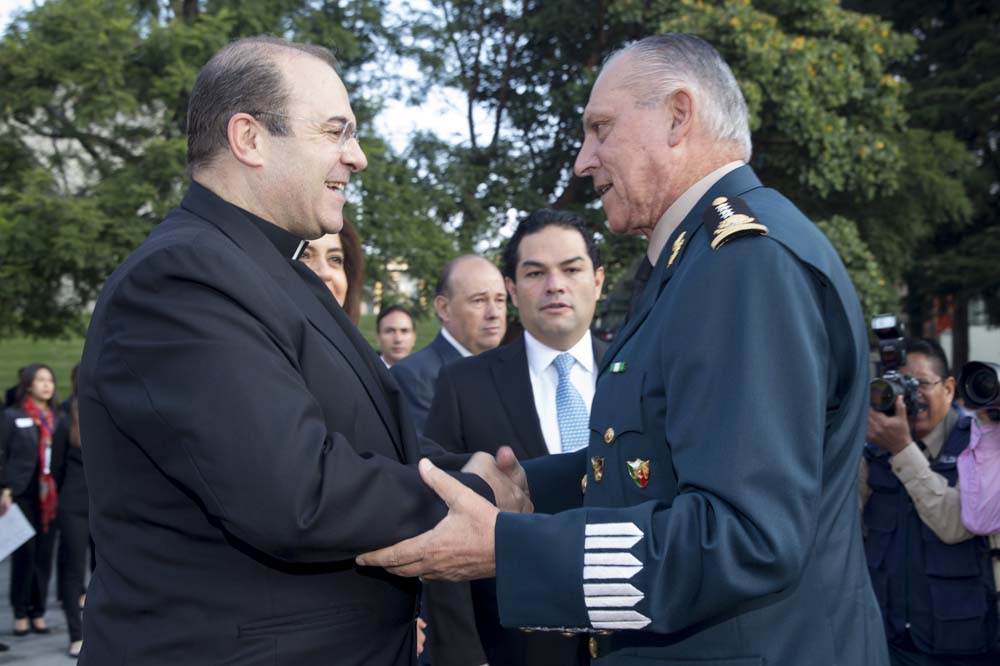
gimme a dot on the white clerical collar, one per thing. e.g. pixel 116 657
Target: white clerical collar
pixel 540 355
pixel 678 210
pixel 455 343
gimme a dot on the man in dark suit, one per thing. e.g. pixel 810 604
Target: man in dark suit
pixel 522 394
pixel 471 304
pixel 719 523
pixel 243 442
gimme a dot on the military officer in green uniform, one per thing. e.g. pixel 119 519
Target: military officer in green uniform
pixel 719 522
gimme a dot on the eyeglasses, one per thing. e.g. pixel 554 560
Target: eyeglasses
pixel 925 384
pixel 339 133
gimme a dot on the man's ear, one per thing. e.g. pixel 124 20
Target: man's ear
pixel 245 137
pixel 441 307
pixel 680 114
pixel 599 280
pixel 949 385
pixel 511 289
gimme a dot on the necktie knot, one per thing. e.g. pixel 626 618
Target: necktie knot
pixel 564 363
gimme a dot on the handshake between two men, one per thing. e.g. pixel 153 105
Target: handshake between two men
pixel 460 547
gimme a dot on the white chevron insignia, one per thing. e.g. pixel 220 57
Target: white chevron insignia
pixel 607 558
pixel 610 573
pixel 613 529
pixel 610 590
pixel 636 624
pixel 603 618
pixel 623 543
pixel 611 558
pixel 612 602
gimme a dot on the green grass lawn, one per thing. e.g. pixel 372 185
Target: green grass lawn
pixel 62 355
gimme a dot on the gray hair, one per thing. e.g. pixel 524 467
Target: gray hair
pixel 662 64
pixel 241 77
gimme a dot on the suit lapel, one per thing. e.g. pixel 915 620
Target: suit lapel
pixel 513 382
pixel 735 183
pixel 241 231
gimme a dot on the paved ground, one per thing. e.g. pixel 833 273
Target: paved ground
pixel 33 649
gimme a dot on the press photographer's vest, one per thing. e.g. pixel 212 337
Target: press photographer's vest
pixel 944 594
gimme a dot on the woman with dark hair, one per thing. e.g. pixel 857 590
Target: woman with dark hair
pixel 26 480
pixel 74 530
pixel 338 261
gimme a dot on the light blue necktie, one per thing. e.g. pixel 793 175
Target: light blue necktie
pixel 571 412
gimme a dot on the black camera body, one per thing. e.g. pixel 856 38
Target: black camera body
pixel 979 386
pixel 892 356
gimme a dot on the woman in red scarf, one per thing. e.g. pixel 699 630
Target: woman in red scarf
pixel 26 480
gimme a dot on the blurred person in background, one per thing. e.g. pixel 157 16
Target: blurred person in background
pixel 932 577
pixel 470 301
pixel 396 334
pixel 26 480
pixel 74 529
pixel 338 260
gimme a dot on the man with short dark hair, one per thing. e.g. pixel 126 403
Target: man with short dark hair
pixel 932 577
pixel 243 442
pixel 395 333
pixel 471 304
pixel 533 394
pixel 728 419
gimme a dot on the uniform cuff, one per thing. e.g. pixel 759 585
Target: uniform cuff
pixel 540 570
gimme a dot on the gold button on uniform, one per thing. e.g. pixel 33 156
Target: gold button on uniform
pixel 593 647
pixel 583 485
pixel 609 435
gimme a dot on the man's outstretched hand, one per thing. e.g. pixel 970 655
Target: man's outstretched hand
pixel 505 477
pixel 460 547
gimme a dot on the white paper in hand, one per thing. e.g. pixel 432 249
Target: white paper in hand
pixel 14 530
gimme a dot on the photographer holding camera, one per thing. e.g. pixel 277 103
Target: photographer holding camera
pixel 932 577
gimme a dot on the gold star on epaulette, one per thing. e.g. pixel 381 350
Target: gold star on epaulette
pixel 729 218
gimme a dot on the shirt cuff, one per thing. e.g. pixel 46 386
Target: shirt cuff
pixel 910 463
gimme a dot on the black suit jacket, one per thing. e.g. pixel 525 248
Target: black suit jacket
pixel 19 451
pixel 241 447
pixel 480 404
pixel 417 373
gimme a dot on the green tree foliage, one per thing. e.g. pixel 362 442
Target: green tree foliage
pixel 844 123
pixel 92 137
pixel 828 118
pixel 955 87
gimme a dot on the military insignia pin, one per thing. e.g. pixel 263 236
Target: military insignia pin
pixel 597 464
pixel 618 367
pixel 638 469
pixel 678 244
pixel 729 218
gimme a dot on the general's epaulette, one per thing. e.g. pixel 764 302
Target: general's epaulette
pixel 729 218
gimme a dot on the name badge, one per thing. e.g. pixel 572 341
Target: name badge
pixel 24 422
pixel 948 460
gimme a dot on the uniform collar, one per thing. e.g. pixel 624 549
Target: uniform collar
pixel 540 355
pixel 288 244
pixel 680 209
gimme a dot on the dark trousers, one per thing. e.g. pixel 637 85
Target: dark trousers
pixel 31 564
pixel 74 542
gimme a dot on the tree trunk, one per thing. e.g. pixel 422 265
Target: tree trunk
pixel 959 333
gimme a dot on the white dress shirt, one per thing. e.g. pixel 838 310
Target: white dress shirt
pixel 455 343
pixel 545 379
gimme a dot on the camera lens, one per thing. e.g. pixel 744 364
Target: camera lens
pixel 982 385
pixel 883 396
